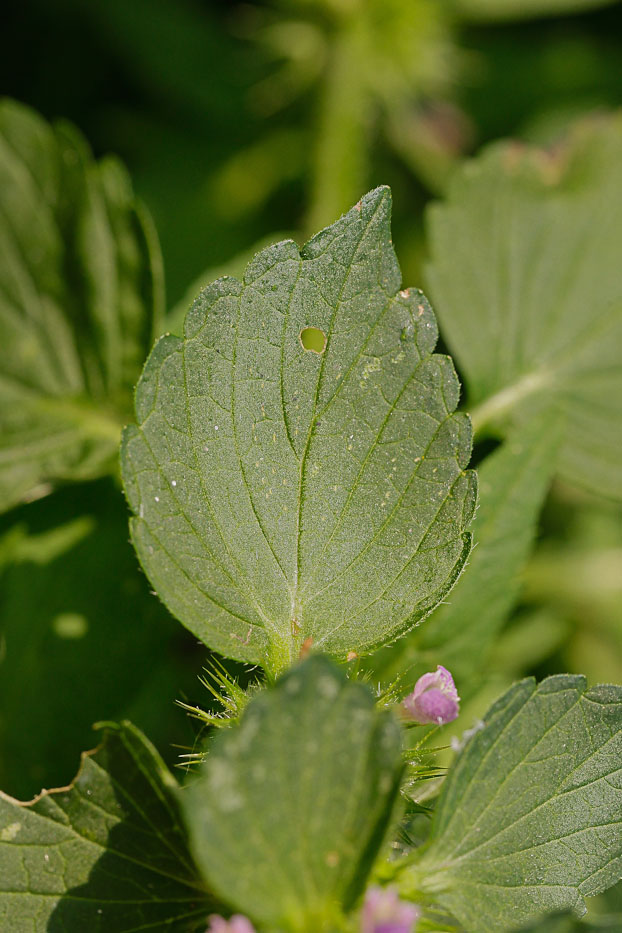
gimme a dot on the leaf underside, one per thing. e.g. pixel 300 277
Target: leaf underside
pixel 293 805
pixel 525 272
pixel 530 817
pixel 283 493
pixel 80 301
pixel 107 853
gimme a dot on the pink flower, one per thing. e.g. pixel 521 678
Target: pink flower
pixel 384 912
pixel 434 699
pixel 235 924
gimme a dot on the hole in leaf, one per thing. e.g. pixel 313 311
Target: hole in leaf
pixel 312 338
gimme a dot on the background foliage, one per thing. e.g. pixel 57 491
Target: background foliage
pixel 240 123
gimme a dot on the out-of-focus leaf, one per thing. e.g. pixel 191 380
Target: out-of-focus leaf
pixel 513 482
pixel 82 639
pixel 281 493
pixel 80 302
pixel 578 575
pixel 529 819
pixel 568 923
pixel 459 634
pixel 526 275
pixel 293 804
pixel 529 641
pixel 498 10
pixel 106 853
pixel 556 923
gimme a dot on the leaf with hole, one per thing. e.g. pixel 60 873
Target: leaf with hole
pixel 80 302
pixel 529 819
pixel 106 853
pixel 294 803
pixel 526 276
pixel 298 467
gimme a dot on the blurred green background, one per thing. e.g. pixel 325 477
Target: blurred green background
pixel 241 122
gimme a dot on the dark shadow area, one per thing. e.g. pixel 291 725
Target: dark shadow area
pixel 83 639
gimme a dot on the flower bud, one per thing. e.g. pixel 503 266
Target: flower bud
pixel 235 924
pixel 384 912
pixel 434 699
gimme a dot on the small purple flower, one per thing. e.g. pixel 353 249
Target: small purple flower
pixel 384 912
pixel 235 924
pixel 434 699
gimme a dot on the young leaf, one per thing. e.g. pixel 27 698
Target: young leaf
pixel 298 469
pixel 526 276
pixel 293 805
pixel 106 853
pixel 529 819
pixel 80 302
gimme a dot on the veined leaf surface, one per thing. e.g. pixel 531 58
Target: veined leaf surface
pixel 513 482
pixel 283 493
pixel 527 280
pixel 107 853
pixel 80 303
pixel 530 817
pixel 293 804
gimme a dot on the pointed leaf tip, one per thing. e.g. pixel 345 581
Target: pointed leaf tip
pixel 286 493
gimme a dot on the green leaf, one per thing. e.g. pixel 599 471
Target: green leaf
pixel 235 266
pixel 282 494
pixel 556 923
pixel 523 9
pixel 526 275
pixel 106 853
pixel 293 805
pixel 513 482
pixel 568 923
pixel 460 633
pixel 80 301
pixel 529 818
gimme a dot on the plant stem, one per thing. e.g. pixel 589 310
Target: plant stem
pixel 94 422
pixel 339 172
pixel 503 401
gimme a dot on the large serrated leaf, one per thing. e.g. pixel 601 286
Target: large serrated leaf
pixel 283 493
pixel 80 302
pixel 107 853
pixel 293 804
pixel 513 482
pixel 526 277
pixel 529 820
